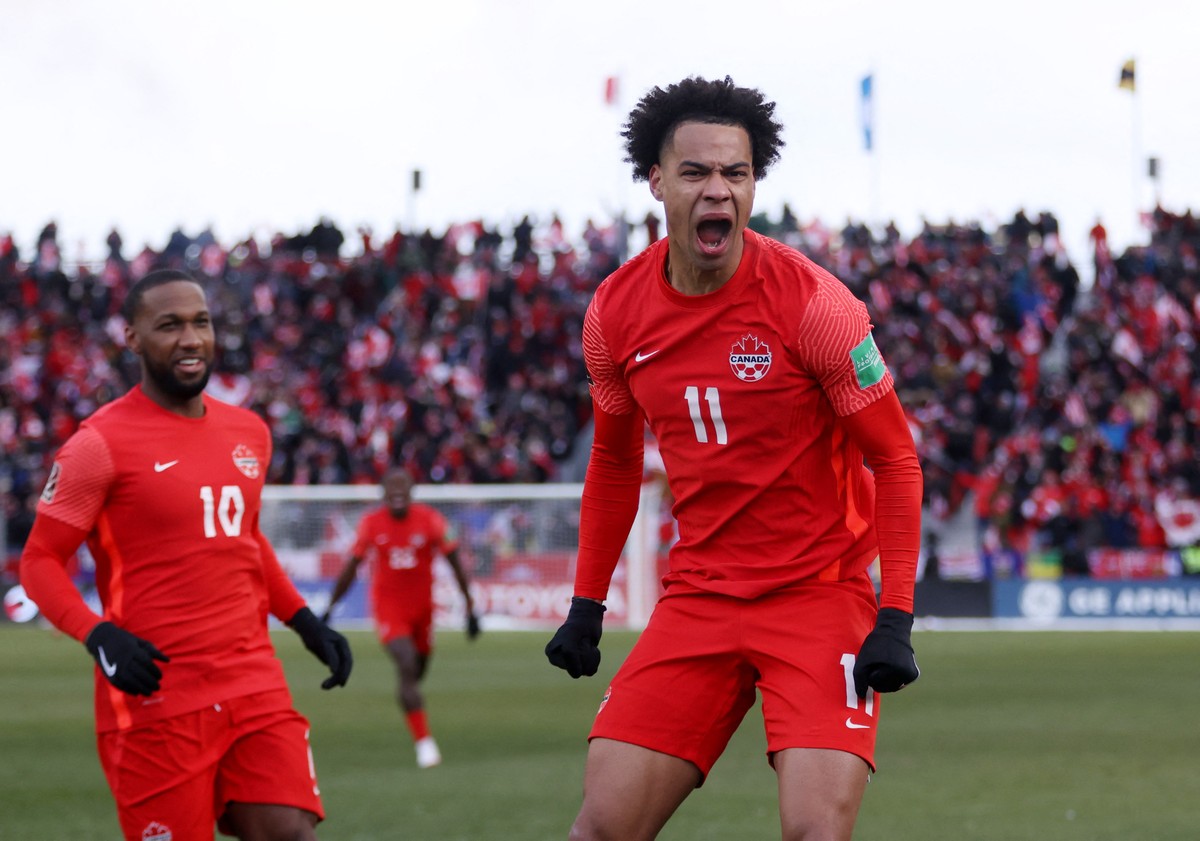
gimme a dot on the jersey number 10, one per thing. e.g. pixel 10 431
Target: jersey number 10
pixel 228 512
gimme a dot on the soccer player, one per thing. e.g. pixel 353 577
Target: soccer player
pixel 761 382
pixel 401 538
pixel 195 724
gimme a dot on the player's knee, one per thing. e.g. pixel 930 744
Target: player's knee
pixel 592 827
pixel 834 824
pixel 587 831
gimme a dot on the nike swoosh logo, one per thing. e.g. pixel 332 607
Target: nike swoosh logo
pixel 850 723
pixel 110 669
pixel 160 467
pixel 642 357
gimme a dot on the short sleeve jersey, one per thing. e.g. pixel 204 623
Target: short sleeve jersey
pixel 401 552
pixel 171 506
pixel 743 388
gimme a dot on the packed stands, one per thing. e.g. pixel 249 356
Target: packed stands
pixel 1053 413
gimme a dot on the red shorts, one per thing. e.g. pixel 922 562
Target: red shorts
pixel 392 624
pixel 692 675
pixel 173 778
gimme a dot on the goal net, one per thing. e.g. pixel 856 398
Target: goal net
pixel 518 546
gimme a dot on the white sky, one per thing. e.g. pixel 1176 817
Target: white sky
pixel 261 115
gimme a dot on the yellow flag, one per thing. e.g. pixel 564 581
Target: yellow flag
pixel 1127 81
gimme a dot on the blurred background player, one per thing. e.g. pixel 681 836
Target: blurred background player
pixel 195 722
pixel 401 538
pixel 762 384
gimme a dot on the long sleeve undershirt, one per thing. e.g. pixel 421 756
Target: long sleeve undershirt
pixel 610 499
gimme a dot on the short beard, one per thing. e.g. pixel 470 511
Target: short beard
pixel 172 386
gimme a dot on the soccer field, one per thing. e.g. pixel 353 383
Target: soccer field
pixel 1007 736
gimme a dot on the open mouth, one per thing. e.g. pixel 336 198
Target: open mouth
pixel 713 233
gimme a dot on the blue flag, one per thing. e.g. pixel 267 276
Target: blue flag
pixel 868 117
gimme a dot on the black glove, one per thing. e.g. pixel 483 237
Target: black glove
pixel 885 661
pixel 473 629
pixel 126 660
pixel 575 646
pixel 328 645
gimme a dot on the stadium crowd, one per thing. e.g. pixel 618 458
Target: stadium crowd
pixel 1064 415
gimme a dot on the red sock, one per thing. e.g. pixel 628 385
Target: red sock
pixel 418 725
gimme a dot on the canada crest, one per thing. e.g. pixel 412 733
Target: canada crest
pixel 155 831
pixel 750 358
pixel 246 461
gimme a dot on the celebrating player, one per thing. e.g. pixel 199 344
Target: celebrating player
pixel 194 719
pixel 402 538
pixel 761 382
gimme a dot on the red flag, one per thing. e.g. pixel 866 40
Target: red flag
pixel 610 90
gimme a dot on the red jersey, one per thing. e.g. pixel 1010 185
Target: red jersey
pixel 743 389
pixel 170 506
pixel 401 553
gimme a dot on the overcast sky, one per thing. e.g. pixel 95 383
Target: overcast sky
pixel 255 116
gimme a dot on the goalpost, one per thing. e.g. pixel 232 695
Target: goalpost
pixel 518 545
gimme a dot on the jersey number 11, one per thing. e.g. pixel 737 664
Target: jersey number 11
pixel 713 398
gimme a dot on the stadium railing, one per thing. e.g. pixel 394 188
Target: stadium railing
pixel 518 545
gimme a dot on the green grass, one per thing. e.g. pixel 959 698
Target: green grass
pixel 1007 736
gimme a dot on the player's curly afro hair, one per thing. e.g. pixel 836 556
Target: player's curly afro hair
pixel 653 120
